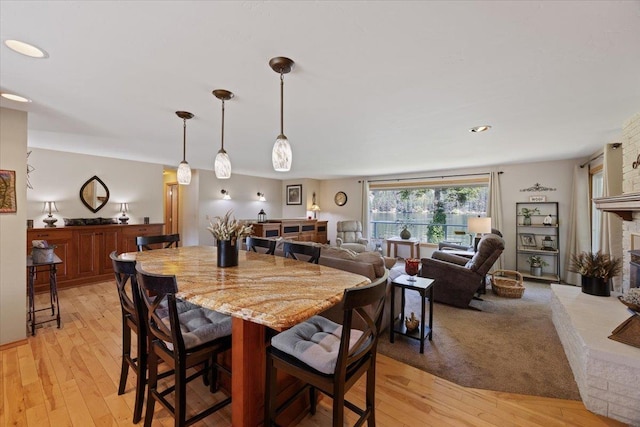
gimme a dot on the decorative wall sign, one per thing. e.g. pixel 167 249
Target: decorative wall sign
pixel 538 187
pixel 7 191
pixel 29 170
pixel 537 198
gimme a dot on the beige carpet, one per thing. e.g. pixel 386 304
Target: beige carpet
pixel 511 345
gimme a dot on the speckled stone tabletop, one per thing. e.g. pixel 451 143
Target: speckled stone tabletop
pixel 270 290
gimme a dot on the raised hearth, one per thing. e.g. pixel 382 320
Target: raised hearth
pixel 607 372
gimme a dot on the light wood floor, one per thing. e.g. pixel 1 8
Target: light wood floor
pixel 69 376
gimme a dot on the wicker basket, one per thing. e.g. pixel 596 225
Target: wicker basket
pixel 507 283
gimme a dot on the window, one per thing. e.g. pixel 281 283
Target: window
pixel 432 212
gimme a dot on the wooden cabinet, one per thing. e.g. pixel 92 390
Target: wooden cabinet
pixel 84 250
pixel 304 230
pixel 321 231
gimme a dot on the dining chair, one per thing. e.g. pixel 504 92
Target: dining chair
pixel 183 341
pixel 294 250
pixel 133 319
pixel 330 357
pixel 256 242
pixel 167 241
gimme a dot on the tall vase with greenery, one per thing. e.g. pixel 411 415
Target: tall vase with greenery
pixel 526 213
pixel 596 269
pixel 228 233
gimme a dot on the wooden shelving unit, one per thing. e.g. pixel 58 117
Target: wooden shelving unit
pixel 539 239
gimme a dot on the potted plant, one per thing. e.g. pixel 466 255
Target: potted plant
pixel 596 269
pixel 405 233
pixel 536 262
pixel 526 213
pixel 228 231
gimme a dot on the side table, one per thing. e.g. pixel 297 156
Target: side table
pixel 413 243
pixel 424 287
pixel 51 267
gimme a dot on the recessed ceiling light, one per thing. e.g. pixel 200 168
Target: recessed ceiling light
pixel 477 129
pixel 26 49
pixel 14 97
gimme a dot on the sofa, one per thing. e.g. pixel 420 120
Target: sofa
pixel 369 264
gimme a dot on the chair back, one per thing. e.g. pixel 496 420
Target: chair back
pixel 155 289
pixel 256 242
pixel 128 291
pixel 294 250
pixel 490 248
pixel 363 305
pixel 349 231
pixel 167 241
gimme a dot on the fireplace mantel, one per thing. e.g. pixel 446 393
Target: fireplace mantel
pixel 623 205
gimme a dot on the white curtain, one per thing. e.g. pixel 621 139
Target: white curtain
pixel 579 222
pixel 364 217
pixel 494 209
pixel 611 224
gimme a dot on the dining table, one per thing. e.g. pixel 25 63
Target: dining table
pixel 262 293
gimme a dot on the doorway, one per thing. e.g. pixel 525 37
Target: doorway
pixel 171 204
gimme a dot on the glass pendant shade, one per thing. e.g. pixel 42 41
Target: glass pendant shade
pixel 281 154
pixel 222 165
pixel 184 173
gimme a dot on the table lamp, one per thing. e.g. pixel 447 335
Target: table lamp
pixel 48 208
pixel 124 208
pixel 314 207
pixel 479 226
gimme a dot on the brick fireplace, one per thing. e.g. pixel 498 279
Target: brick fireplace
pixel 627 205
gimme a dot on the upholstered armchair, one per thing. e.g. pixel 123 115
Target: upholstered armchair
pixel 349 236
pixel 457 278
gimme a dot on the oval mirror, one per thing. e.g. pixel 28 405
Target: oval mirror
pixel 94 194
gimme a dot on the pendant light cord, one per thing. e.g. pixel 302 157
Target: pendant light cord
pixel 281 103
pixel 184 140
pixel 222 137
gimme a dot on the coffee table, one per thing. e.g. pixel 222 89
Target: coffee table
pixel 424 287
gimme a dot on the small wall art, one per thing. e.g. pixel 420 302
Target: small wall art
pixel 7 191
pixel 294 194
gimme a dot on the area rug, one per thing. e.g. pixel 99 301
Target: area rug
pixel 508 345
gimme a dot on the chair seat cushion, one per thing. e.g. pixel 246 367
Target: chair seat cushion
pixel 315 342
pixel 200 325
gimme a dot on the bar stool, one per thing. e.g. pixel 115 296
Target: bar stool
pixel 183 341
pixel 293 250
pixel 169 240
pixel 256 242
pixel 333 366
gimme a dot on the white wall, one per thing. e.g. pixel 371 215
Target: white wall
pixel 243 190
pixel 13 229
pixel 58 176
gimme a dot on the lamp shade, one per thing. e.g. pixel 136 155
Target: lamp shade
pixel 124 207
pixel 49 207
pixel 479 225
pixel 222 165
pixel 184 173
pixel 281 155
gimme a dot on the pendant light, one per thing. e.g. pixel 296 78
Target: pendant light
pixel 184 171
pixel 281 155
pixel 222 164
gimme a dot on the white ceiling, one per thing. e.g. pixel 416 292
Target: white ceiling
pixel 379 87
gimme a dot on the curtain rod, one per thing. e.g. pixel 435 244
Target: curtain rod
pixel 430 177
pixel 614 146
pixel 591 160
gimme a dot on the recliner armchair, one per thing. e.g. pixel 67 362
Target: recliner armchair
pixel 457 247
pixel 457 278
pixel 349 236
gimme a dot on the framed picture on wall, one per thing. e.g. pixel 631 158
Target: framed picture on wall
pixel 7 191
pixel 294 194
